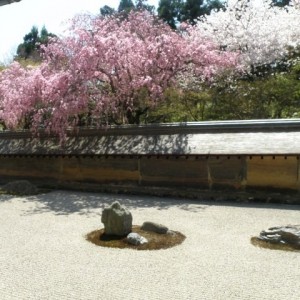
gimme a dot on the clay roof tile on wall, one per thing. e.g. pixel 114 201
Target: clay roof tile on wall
pixel 4 2
pixel 255 137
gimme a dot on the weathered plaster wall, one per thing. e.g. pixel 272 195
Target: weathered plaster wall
pixel 201 172
pixel 211 156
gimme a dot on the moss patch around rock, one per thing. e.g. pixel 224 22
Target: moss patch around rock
pixel 273 246
pixel 156 241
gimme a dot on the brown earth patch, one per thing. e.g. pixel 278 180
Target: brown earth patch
pixel 264 244
pixel 156 241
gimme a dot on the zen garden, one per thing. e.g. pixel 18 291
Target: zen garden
pixel 153 153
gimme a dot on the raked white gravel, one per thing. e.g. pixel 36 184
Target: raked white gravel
pixel 44 254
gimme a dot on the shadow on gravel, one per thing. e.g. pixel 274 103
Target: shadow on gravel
pixel 6 198
pixel 68 202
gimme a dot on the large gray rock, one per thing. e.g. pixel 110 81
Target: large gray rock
pixel 287 235
pixel 136 239
pixel 154 227
pixel 117 220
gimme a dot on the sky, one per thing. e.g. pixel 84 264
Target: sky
pixel 17 19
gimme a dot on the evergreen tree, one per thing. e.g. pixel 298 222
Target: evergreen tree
pixel 125 6
pixel 173 11
pixel 169 11
pixel 214 5
pixel 30 48
pixel 192 10
pixel 44 36
pixel 29 43
pixel 107 10
pixel 281 3
pixel 142 5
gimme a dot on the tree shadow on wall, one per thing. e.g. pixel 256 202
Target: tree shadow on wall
pixel 89 204
pixel 98 144
pixel 129 145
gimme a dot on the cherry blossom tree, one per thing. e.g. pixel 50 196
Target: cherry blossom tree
pixel 109 70
pixel 262 32
pixel 18 91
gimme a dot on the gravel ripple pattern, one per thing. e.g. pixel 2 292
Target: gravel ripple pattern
pixel 44 254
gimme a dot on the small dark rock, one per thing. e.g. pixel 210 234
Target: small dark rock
pixel 154 227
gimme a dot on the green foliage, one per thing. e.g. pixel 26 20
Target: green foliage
pixel 142 5
pixel 32 41
pixel 272 96
pixel 281 3
pixel 29 44
pixel 214 5
pixel 107 10
pixel 181 107
pixel 283 94
pixel 169 11
pixel 191 10
pixel 174 11
pixel 125 6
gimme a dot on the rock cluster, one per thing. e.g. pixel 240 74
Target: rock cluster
pixel 285 235
pixel 117 221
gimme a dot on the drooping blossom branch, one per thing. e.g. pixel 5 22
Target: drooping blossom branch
pixel 107 68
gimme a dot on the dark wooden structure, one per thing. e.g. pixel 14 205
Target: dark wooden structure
pixel 229 155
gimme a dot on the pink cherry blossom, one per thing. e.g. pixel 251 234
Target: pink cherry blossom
pixel 107 69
